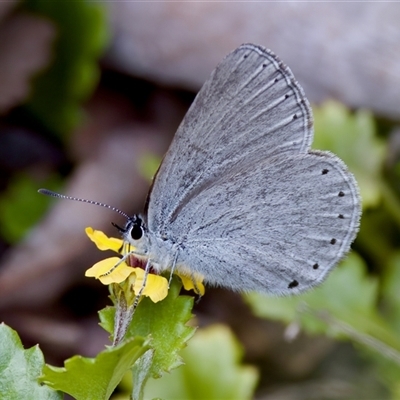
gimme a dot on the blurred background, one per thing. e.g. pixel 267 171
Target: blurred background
pixel 90 97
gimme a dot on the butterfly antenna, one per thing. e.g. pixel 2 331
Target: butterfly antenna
pixel 96 203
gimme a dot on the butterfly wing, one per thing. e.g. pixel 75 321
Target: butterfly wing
pixel 250 206
pixel 277 226
pixel 250 107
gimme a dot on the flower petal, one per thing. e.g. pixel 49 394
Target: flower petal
pixel 196 285
pixel 103 267
pixel 156 286
pixel 102 241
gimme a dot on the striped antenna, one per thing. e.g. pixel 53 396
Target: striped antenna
pixel 96 203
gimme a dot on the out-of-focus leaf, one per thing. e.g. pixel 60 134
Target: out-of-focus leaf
pixel 21 206
pixel 344 306
pixel 391 291
pixel 212 370
pixel 148 165
pixel 82 35
pixel 20 370
pixel 352 137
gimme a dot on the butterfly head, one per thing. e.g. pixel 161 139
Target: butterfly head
pixel 134 232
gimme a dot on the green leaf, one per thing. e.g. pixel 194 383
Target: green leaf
pixel 21 206
pixel 165 324
pixel 212 370
pixel 352 137
pixel 148 164
pixel 95 378
pixel 106 316
pixel 20 370
pixel 141 374
pixel 344 306
pixel 391 292
pixel 82 35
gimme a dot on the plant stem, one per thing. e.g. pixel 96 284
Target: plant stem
pixel 122 319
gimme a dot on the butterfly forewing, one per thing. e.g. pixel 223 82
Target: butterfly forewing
pixel 251 107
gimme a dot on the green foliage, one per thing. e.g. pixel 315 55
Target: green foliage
pixel 58 92
pixel 391 292
pixel 148 165
pixel 353 138
pixel 95 378
pixel 21 196
pixel 20 369
pixel 151 346
pixel 212 370
pixel 352 304
pixel 164 324
pixel 344 306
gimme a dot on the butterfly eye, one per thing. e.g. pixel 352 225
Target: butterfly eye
pixel 136 231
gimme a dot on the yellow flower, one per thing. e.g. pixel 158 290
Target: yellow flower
pixel 118 274
pixel 103 242
pixel 156 286
pixel 113 270
pixel 195 283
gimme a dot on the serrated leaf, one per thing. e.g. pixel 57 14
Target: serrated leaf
pixel 165 323
pixel 20 370
pixel 352 137
pixel 95 378
pixel 344 306
pixel 82 35
pixel 212 370
pixel 106 316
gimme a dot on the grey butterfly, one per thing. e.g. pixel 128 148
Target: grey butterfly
pixel 239 197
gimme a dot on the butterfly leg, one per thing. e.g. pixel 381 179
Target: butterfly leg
pixel 123 258
pixel 146 273
pixel 173 268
